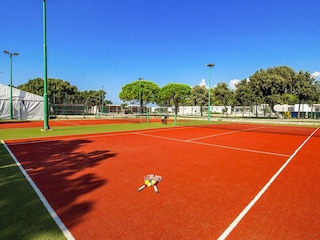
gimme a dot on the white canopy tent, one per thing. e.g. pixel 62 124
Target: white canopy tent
pixel 26 106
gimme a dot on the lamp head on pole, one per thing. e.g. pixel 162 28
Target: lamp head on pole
pixel 210 65
pixel 11 54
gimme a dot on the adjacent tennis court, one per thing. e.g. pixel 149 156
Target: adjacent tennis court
pixel 235 181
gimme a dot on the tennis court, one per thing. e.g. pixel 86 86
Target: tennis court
pixel 234 181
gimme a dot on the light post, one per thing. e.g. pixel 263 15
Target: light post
pixel 140 96
pixel 210 65
pixel 11 104
pixel 45 80
pixel 102 100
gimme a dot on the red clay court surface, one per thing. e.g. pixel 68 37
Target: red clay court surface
pixel 235 182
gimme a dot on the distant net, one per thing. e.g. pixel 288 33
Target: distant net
pixel 132 118
pixel 251 127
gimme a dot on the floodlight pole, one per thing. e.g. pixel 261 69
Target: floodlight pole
pixel 210 65
pixel 140 96
pixel 45 87
pixel 102 100
pixel 11 104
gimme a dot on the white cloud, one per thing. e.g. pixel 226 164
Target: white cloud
pixel 232 83
pixel 316 74
pixel 202 83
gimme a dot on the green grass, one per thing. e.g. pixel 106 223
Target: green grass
pixel 25 133
pixel 22 214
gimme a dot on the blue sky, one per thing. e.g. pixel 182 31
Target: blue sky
pixel 95 44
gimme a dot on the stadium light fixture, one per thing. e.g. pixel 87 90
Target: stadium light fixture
pixel 11 103
pixel 210 65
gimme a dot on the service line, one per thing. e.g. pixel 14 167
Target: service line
pixel 213 145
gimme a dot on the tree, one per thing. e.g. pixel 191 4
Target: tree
pixel 223 95
pixel 62 92
pixel 34 86
pixel 304 88
pixel 315 94
pixel 243 94
pixel 199 97
pixel 59 91
pixel 174 94
pixel 316 87
pixel 140 90
pixel 92 97
pixel 272 84
pixel 290 98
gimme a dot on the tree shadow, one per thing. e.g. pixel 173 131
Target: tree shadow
pixel 63 171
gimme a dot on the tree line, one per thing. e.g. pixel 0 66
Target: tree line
pixel 62 92
pixel 272 86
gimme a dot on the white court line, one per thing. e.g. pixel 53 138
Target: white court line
pixel 53 214
pixel 143 133
pixel 70 123
pixel 161 137
pixel 240 149
pixel 224 133
pixel 215 145
pixel 213 135
pixel 236 221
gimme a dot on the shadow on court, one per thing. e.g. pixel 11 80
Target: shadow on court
pixel 69 167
